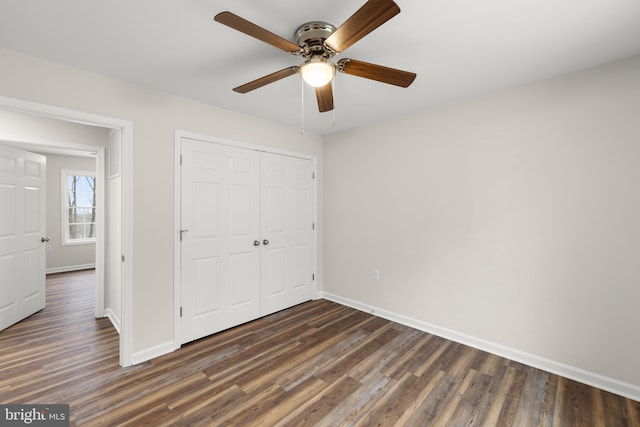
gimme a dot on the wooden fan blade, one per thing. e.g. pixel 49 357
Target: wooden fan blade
pixel 324 94
pixel 376 72
pixel 366 19
pixel 249 28
pixel 269 78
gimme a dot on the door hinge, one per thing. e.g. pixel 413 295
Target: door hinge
pixel 313 226
pixel 180 311
pixel 313 277
pixel 122 258
pixel 313 175
pixel 180 159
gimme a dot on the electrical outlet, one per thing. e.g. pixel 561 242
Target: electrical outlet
pixel 376 274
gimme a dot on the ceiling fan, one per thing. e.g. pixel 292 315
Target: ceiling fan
pixel 317 42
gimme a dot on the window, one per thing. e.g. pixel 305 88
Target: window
pixel 78 207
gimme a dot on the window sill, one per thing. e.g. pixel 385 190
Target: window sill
pixel 79 242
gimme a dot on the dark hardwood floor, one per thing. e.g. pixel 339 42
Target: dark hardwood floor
pixel 318 363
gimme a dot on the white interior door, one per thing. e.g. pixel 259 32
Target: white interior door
pixel 22 226
pixel 287 230
pixel 220 266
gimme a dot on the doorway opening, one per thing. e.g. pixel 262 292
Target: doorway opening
pixel 121 255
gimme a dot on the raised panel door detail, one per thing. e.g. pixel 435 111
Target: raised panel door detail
pixel 276 271
pixel 32 169
pixel 300 210
pixel 8 163
pixel 31 210
pixel 275 169
pixel 242 210
pixel 242 281
pixel 241 165
pixel 7 218
pixel 31 269
pixel 207 283
pixel 300 268
pixel 205 209
pixel 205 161
pixel 8 274
pixel 276 210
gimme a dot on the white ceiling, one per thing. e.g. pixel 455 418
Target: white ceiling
pixel 458 48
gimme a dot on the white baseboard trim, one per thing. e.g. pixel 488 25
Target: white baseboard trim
pixel 612 385
pixel 70 268
pixel 153 352
pixel 115 320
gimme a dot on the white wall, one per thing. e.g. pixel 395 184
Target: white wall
pixel 511 220
pixel 64 257
pixel 155 117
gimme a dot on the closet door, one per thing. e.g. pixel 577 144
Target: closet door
pixel 220 217
pixel 287 232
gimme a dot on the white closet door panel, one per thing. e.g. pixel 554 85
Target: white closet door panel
pixel 287 190
pixel 219 265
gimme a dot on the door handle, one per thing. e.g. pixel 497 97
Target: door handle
pixel 256 243
pixel 44 239
pixel 265 242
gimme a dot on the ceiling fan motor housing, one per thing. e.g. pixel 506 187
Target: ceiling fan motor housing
pixel 311 36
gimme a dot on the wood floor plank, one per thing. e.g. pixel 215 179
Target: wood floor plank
pixel 347 361
pixel 513 398
pixel 383 357
pixel 318 363
pixel 431 409
pixel 502 382
pixel 306 409
pixel 423 346
pixel 475 401
pixel 293 399
pixel 532 398
pixel 359 403
pixel 319 413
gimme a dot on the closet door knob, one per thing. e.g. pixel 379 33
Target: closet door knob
pixel 256 243
pixel 44 239
pixel 265 242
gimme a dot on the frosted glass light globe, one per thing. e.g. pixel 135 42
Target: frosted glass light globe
pixel 317 71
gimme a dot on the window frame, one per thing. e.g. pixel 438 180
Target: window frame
pixel 64 212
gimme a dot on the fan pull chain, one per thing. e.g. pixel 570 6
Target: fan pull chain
pixel 301 107
pixel 333 111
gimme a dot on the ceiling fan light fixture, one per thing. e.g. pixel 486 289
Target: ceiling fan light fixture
pixel 317 71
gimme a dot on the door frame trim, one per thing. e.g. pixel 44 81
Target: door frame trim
pixel 126 127
pixel 179 135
